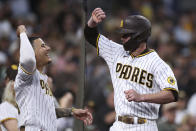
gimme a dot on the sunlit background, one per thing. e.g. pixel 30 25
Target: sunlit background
pixel 60 24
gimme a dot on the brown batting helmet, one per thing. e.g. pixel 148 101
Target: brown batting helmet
pixel 139 27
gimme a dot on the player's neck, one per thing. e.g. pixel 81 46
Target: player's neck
pixel 40 68
pixel 140 49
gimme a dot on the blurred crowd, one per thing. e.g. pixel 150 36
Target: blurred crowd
pixel 60 24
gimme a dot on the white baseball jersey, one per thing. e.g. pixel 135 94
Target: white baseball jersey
pixel 35 101
pixel 146 74
pixel 7 111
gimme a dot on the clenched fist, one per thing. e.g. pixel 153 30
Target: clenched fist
pixel 98 15
pixel 132 95
pixel 20 29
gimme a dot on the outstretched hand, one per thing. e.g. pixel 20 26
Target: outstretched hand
pixel 83 115
pixel 98 15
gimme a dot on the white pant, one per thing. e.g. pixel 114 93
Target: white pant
pixel 148 126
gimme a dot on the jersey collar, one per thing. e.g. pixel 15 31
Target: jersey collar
pixel 145 52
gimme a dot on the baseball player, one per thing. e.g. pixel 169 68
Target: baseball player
pixel 141 79
pixel 8 108
pixel 33 95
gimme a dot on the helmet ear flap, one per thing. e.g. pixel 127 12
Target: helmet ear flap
pixel 135 35
pixel 143 37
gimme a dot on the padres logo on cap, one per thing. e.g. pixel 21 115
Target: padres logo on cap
pixel 171 80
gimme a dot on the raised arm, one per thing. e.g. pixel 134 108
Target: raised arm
pixel 90 31
pixel 27 56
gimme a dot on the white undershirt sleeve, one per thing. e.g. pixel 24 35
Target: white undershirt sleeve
pixel 27 55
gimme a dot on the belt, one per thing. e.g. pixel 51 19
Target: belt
pixel 22 128
pixel 132 120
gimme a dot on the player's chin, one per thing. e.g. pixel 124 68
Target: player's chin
pixel 49 61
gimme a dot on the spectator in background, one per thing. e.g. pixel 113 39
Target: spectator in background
pixel 181 107
pixel 19 7
pixel 190 89
pixel 188 123
pixel 109 113
pixel 106 114
pixel 167 121
pixel 183 31
pixel 192 105
pixel 8 108
pixel 66 99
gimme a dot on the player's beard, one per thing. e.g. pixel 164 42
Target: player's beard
pixel 131 45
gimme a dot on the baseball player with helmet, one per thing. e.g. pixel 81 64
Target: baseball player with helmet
pixel 33 95
pixel 141 79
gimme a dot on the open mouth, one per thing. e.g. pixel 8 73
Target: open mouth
pixel 48 55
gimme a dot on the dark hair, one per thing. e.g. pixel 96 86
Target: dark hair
pixel 32 38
